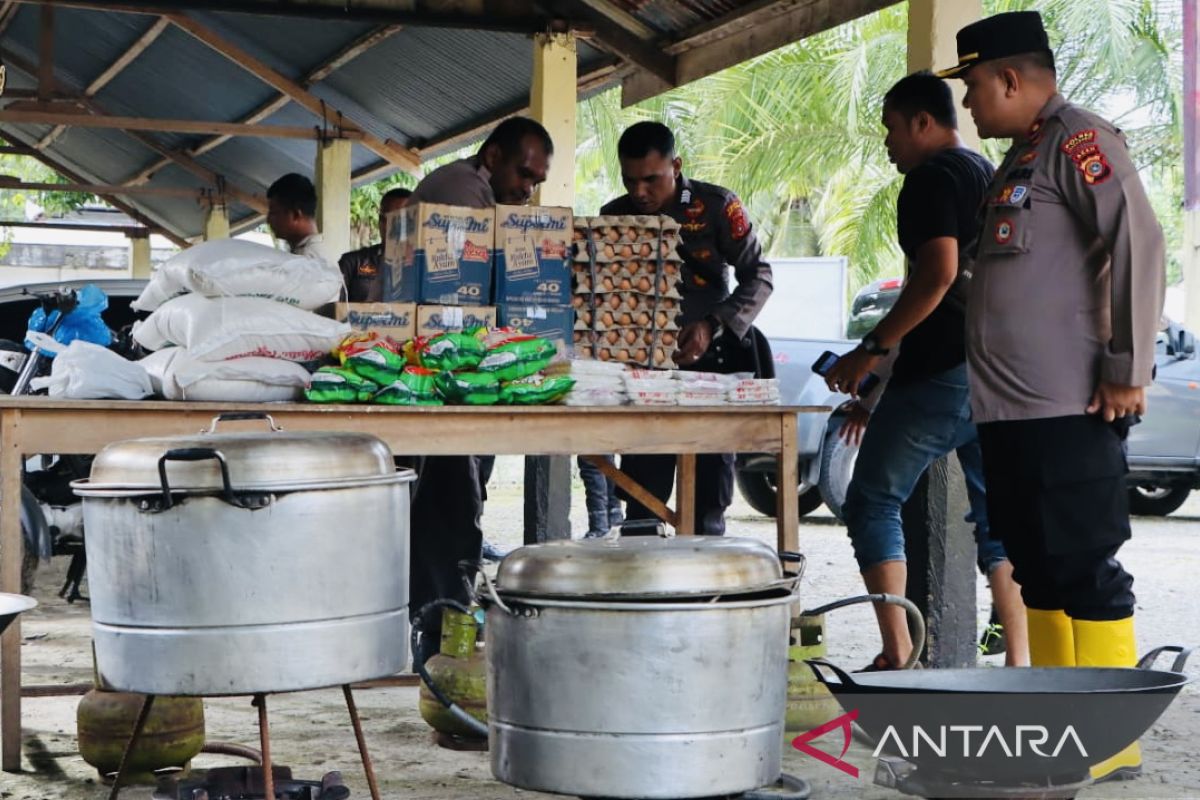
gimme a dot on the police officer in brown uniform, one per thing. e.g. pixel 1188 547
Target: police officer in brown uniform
pixel 1064 301
pixel 362 269
pixel 716 335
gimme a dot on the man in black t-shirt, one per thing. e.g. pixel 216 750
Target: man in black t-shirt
pixel 924 412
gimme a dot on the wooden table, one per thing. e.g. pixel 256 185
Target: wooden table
pixel 32 425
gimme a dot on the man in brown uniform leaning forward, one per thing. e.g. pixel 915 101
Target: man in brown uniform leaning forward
pixel 1063 306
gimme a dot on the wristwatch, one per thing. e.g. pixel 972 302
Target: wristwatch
pixel 871 345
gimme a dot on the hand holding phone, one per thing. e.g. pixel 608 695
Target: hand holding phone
pixel 826 362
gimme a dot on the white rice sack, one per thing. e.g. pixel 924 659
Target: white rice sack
pixel 179 376
pixel 86 371
pixel 217 329
pixel 236 268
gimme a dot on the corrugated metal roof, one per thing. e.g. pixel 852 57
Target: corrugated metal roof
pixel 416 87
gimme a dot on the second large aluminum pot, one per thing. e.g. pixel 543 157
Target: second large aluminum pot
pixel 236 563
pixel 639 667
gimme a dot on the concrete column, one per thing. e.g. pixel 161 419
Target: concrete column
pixel 139 256
pixel 552 99
pixel 333 194
pixel 216 222
pixel 939 544
pixel 932 25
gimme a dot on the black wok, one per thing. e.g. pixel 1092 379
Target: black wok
pixel 1009 726
pixel 11 605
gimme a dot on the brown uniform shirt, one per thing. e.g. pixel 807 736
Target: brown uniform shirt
pixel 460 183
pixel 1068 275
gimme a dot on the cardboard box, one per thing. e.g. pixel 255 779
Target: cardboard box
pixel 397 320
pixel 533 245
pixel 432 320
pixel 555 323
pixel 439 254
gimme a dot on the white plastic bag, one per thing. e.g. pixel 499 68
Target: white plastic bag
pixel 176 375
pixel 216 329
pixel 236 268
pixel 86 371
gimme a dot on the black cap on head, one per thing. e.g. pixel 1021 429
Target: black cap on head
pixel 999 36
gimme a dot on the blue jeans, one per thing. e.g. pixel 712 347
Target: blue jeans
pixel 915 423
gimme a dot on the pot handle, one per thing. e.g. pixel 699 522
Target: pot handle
pixel 1147 661
pixel 197 454
pixel 234 416
pixel 840 678
pixel 787 557
pixel 492 594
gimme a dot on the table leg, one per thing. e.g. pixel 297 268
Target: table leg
pixel 685 494
pixel 787 509
pixel 10 581
pixel 635 490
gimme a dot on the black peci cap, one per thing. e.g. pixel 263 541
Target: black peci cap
pixel 999 36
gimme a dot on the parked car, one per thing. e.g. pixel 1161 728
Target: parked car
pixel 1163 451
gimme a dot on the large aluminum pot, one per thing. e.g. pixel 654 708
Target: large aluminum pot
pixel 639 667
pixel 236 563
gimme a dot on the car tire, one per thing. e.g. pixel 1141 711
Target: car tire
pixel 1156 501
pixel 758 490
pixel 837 467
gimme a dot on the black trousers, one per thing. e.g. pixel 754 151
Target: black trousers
pixel 1056 497
pixel 714 471
pixel 447 503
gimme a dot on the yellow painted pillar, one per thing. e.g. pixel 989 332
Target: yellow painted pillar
pixel 552 99
pixel 216 222
pixel 333 194
pixel 139 256
pixel 932 25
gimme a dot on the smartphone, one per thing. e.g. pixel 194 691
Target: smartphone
pixel 825 363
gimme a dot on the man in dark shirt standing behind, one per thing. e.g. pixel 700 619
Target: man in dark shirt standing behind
pixel 362 269
pixel 925 411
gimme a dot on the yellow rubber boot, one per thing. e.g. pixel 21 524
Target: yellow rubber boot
pixel 1109 644
pixel 1051 638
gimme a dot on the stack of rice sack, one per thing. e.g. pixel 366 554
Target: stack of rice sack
pixel 472 367
pixel 232 321
pixel 625 277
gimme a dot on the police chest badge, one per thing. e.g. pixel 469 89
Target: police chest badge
pixel 1004 231
pixel 1083 148
pixel 739 223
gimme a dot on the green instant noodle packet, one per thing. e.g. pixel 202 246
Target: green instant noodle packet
pixel 452 351
pixel 414 387
pixel 536 390
pixel 468 388
pixel 378 364
pixel 518 357
pixel 339 385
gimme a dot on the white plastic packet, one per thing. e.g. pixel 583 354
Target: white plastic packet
pixel 217 329
pixel 237 268
pixel 176 375
pixel 86 371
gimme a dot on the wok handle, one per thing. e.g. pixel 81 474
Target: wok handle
pixel 233 416
pixel 840 677
pixel 197 454
pixel 1147 661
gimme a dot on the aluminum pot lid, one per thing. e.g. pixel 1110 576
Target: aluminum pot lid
pixel 271 460
pixel 640 566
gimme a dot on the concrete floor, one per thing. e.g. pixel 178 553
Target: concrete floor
pixel 311 731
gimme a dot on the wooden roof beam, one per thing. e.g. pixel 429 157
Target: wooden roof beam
pixel 392 151
pixel 128 230
pixel 112 200
pixel 21 114
pixel 610 31
pixel 114 69
pixel 343 57
pixel 100 189
pixel 215 181
pixel 738 38
pixel 8 11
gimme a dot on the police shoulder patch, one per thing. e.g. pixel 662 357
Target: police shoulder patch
pixel 1078 139
pixel 739 223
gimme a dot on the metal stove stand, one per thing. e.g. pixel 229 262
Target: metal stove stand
pixel 896 773
pixel 267 773
pixel 247 783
